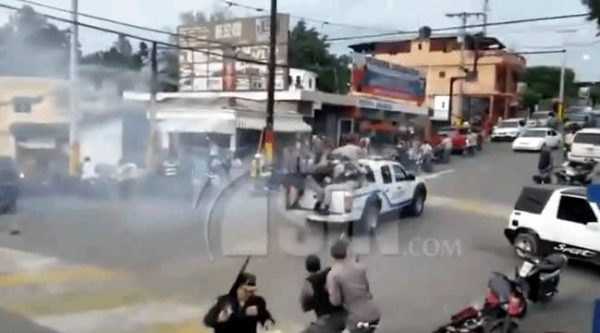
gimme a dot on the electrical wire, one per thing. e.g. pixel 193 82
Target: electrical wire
pixel 307 19
pixel 479 25
pixel 146 39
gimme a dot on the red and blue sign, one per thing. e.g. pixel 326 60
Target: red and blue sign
pixel 381 78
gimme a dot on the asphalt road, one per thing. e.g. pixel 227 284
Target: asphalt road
pixel 421 270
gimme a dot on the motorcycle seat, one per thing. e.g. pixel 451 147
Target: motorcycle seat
pixel 552 263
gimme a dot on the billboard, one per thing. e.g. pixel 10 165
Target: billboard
pixel 217 61
pixel 381 78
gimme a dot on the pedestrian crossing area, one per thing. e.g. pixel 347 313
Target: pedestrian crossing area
pixel 72 298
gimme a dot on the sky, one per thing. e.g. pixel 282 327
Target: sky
pixel 373 16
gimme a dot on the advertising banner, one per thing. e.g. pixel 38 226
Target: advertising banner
pixel 384 79
pixel 217 62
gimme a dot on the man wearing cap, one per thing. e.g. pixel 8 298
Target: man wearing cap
pixel 348 285
pixel 242 312
pixel 314 296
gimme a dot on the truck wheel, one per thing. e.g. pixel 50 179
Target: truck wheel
pixel 418 204
pixel 370 218
pixel 527 242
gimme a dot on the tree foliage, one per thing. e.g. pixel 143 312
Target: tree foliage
pixel 308 50
pixel 30 45
pixel 594 8
pixel 120 56
pixel 544 81
pixel 595 94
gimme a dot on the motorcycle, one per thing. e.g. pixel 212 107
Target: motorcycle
pixel 576 174
pixel 502 306
pixel 539 277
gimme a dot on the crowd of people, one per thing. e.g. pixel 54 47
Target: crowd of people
pixel 339 296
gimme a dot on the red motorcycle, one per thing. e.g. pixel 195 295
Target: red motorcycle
pixel 504 303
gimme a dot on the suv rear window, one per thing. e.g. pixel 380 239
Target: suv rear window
pixel 533 199
pixel 587 138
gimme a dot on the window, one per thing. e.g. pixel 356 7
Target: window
pixel 310 83
pixel 576 210
pixel 420 46
pixel 386 174
pixel 587 138
pixel 549 133
pixel 442 74
pixel 370 176
pixel 399 173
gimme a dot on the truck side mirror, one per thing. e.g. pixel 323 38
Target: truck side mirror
pixel 410 177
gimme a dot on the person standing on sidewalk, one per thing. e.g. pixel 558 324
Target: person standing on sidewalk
pixel 348 285
pixel 314 297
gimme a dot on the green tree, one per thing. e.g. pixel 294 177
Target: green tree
pixel 529 99
pixel 308 50
pixel 30 45
pixel 595 94
pixel 594 8
pixel 120 55
pixel 544 81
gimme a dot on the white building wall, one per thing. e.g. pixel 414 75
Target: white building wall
pixel 102 142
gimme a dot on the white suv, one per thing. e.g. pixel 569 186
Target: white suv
pixel 585 146
pixel 508 129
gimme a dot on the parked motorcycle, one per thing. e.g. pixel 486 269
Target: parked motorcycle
pixel 502 306
pixel 539 277
pixel 575 174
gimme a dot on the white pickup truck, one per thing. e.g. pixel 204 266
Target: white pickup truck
pixel 387 187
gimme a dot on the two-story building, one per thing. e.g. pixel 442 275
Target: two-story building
pixel 441 58
pixel 35 120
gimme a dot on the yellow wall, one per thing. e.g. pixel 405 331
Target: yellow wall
pixel 52 108
pixel 432 63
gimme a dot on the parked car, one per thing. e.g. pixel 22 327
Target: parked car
pixel 581 120
pixel 549 219
pixel 509 129
pixel 9 184
pixel 534 139
pixel 459 138
pixel 539 119
pixel 585 146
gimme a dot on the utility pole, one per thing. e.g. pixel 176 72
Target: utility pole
pixel 74 94
pixel 464 16
pixel 486 10
pixel 561 91
pixel 268 132
pixel 152 107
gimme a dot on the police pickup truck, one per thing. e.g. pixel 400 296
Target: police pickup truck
pixel 548 219
pixel 387 187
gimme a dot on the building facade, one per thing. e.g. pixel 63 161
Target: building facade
pixel 440 58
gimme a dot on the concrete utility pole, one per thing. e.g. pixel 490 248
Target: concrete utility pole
pixel 464 16
pixel 486 10
pixel 269 129
pixel 74 94
pixel 561 92
pixel 152 107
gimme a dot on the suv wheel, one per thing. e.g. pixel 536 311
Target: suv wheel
pixel 527 242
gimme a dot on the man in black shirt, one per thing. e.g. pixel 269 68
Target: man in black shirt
pixel 314 297
pixel 240 314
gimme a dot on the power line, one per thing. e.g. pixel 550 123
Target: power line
pixel 488 24
pixel 307 19
pixel 145 39
pixel 125 24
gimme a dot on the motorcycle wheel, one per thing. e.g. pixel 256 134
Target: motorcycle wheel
pixel 498 327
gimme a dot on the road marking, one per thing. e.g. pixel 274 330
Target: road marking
pixel 437 174
pixel 129 318
pixel 471 206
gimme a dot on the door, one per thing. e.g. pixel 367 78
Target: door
pixel 402 186
pixel 556 138
pixel 345 126
pixel 388 185
pixel 576 229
